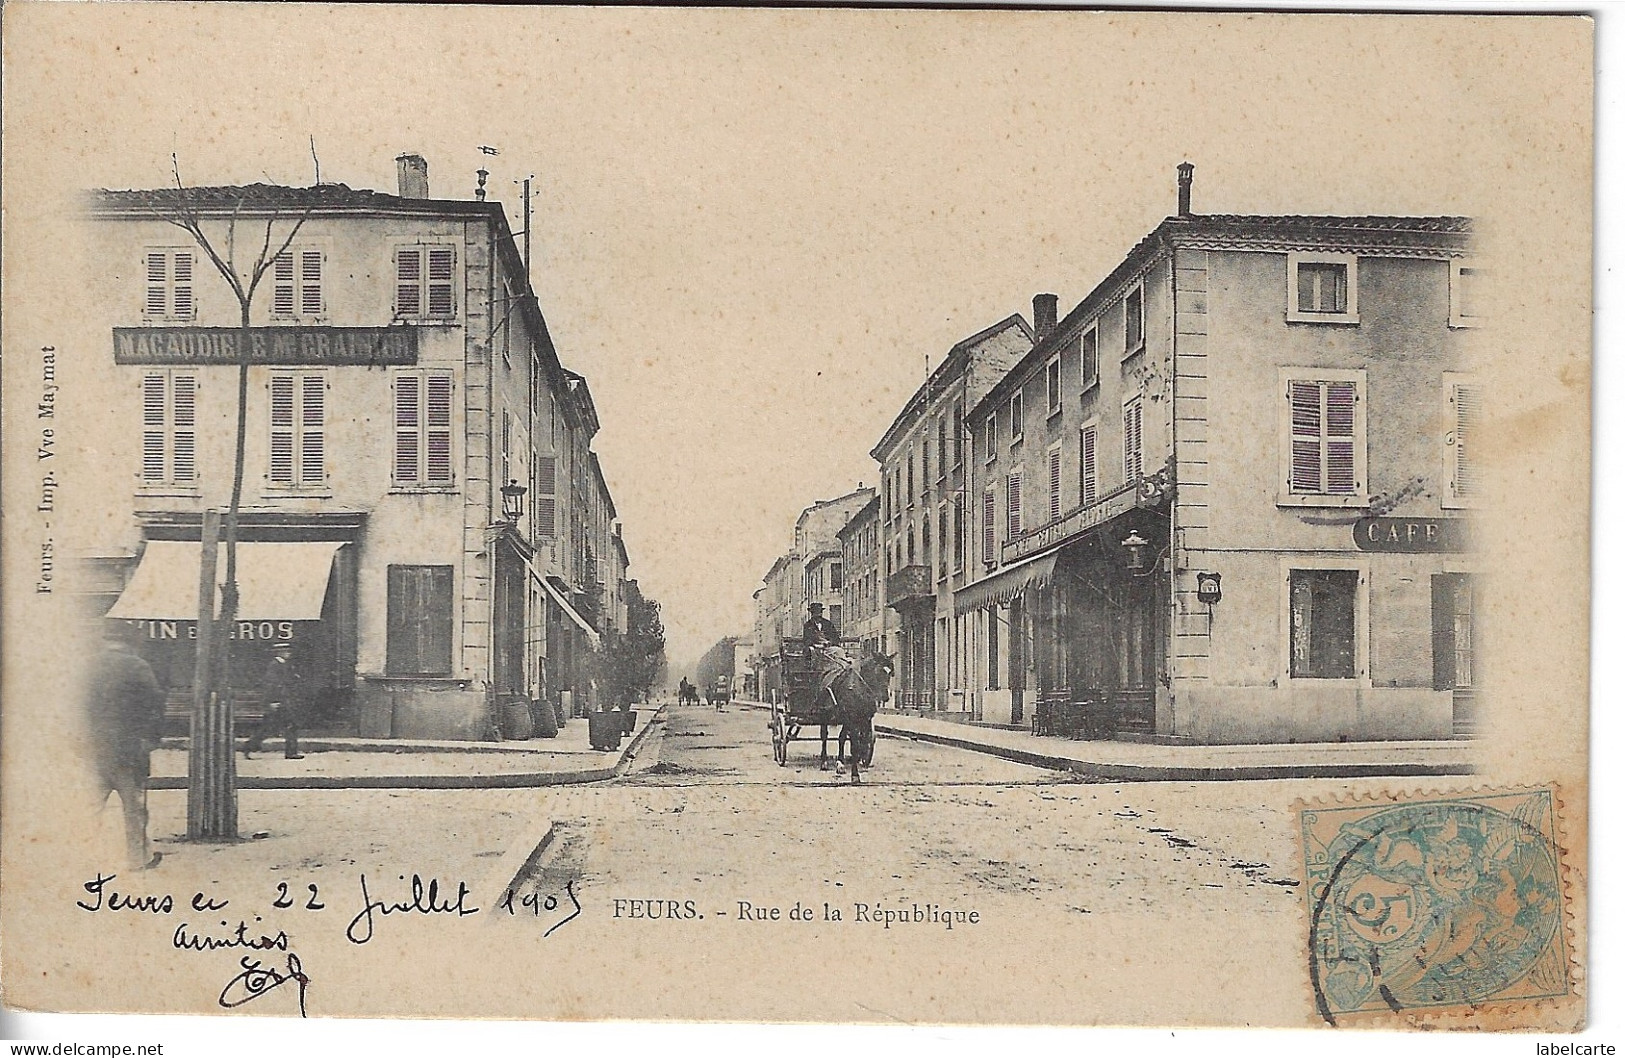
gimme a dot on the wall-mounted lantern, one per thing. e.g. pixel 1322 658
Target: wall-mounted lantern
pixel 1138 549
pixel 1207 588
pixel 513 501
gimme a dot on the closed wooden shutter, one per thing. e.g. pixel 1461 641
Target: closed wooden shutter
pixel 1054 483
pixel 1132 452
pixel 409 282
pixel 1012 487
pixel 313 430
pixel 157 284
pixel 419 621
pixel 988 540
pixel 408 432
pixel 282 285
pixel 1444 635
pixel 1464 411
pixel 153 401
pixel 181 288
pixel 1340 474
pixel 437 428
pixel 1306 436
pixel 310 282
pixel 183 432
pixel 282 430
pixel 442 261
pixel 1087 469
pixel 546 496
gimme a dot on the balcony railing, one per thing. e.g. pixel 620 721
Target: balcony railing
pixel 908 585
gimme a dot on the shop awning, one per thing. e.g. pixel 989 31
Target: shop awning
pixel 275 581
pixel 564 604
pixel 1006 584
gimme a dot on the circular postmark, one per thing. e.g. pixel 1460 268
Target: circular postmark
pixel 1431 904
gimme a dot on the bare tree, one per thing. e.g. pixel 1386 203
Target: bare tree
pixel 187 213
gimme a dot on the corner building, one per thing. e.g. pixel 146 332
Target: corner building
pixel 1226 498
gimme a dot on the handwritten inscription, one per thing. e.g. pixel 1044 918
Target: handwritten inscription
pixel 258 980
pixel 424 900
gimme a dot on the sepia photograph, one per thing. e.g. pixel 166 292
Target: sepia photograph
pixel 760 515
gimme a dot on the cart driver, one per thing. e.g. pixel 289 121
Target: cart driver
pixel 819 631
pixel 823 641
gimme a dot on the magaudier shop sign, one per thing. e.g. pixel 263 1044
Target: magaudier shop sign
pixel 275 346
pixel 1412 535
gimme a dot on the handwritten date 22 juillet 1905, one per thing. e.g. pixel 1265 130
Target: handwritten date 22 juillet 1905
pixel 256 978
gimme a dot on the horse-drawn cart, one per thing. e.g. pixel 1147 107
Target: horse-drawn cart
pixel 805 704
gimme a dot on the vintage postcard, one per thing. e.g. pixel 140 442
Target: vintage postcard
pixel 848 515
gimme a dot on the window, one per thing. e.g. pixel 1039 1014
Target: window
pixel 959 533
pixel 423 428
pixel 1012 505
pixel 1462 410
pixel 989 506
pixel 168 429
pixel 1452 631
pixel 546 508
pixel 835 617
pixel 925 542
pixel 992 438
pixel 942 448
pixel 959 435
pixel 1322 288
pixel 1055 481
pixel 296 284
pixel 1324 448
pixel 1088 467
pixel 1322 603
pixel 835 576
pixel 1133 439
pixel 942 543
pixel 169 285
pixel 298 429
pixel 1052 384
pixel 1134 321
pixel 1015 418
pixel 1467 302
pixel 419 621
pixel 1089 358
pixel 425 281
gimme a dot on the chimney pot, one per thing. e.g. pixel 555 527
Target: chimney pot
pixel 1044 314
pixel 1186 171
pixel 412 176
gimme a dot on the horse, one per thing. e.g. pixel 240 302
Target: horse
pixel 687 693
pixel 858 693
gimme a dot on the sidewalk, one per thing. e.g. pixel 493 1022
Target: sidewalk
pixel 1141 761
pixel 356 763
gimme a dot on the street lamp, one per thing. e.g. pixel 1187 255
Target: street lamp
pixel 1136 546
pixel 513 501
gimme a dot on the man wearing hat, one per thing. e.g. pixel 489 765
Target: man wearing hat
pixel 823 641
pixel 819 631
pixel 124 713
pixel 280 688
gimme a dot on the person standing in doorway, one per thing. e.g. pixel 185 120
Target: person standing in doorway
pixel 281 689
pixel 124 713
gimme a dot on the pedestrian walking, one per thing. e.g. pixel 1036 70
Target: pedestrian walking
pixel 282 690
pixel 124 712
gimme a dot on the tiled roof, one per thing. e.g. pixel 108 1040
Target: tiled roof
pixel 279 197
pixel 1292 221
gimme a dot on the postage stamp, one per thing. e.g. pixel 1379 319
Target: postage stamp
pixel 1443 903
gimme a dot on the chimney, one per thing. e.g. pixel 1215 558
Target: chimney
pixel 1186 171
pixel 1044 307
pixel 412 175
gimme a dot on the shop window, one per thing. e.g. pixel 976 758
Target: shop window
pixel 1088 465
pixel 1322 603
pixel 1325 444
pixel 169 285
pixel 1461 419
pixel 425 282
pixel 423 417
pixel 168 429
pixel 298 429
pixel 1452 631
pixel 1322 288
pixel 296 284
pixel 419 621
pixel 1467 300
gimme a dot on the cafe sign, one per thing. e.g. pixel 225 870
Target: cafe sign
pixel 1417 536
pixel 270 346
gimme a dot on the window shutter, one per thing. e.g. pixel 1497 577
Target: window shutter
pixel 400 647
pixel 409 282
pixel 1087 469
pixel 407 432
pixel 1054 484
pixel 183 285
pixel 988 541
pixel 1340 438
pixel 441 262
pixel 282 429
pixel 1013 504
pixel 282 285
pixel 184 432
pixel 1306 436
pixel 436 620
pixel 437 426
pixel 1444 631
pixel 312 430
pixel 152 427
pixel 157 283
pixel 1464 401
pixel 959 532
pixel 310 283
pixel 1132 462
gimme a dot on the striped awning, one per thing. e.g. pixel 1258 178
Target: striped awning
pixel 1006 584
pixel 275 581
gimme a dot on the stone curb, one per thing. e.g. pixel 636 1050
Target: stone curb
pixel 497 780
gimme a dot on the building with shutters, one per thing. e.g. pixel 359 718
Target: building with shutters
pixel 402 374
pixel 1225 498
pixel 860 582
pixel 924 476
